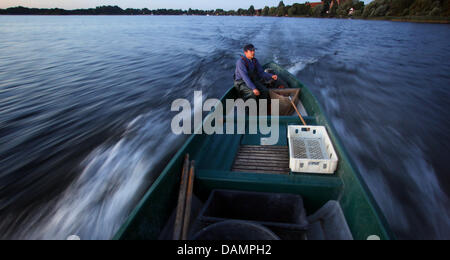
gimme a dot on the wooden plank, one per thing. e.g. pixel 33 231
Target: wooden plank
pixel 268 153
pixel 248 157
pixel 253 148
pixel 276 153
pixel 263 156
pixel 254 169
pixel 254 163
pixel 262 171
pixel 179 219
pixel 264 146
pixel 187 212
pixel 263 150
pixel 257 169
pixel 246 162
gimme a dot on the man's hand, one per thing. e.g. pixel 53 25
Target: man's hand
pixel 256 92
pixel 275 77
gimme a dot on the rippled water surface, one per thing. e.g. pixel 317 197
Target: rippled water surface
pixel 84 102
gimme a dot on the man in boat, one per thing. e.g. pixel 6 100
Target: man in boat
pixel 250 79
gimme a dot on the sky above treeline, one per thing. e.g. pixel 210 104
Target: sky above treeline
pixel 150 4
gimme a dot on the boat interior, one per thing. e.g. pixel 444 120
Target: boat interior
pixel 238 179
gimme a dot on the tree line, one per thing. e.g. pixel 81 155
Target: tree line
pixel 399 8
pixel 327 8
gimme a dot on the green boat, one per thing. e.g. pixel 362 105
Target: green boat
pixel 215 169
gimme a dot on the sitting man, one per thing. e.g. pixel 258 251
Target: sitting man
pixel 250 78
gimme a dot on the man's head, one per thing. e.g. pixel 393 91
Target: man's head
pixel 249 51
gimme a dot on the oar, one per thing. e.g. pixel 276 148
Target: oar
pixel 296 110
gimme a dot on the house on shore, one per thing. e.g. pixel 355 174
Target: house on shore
pixel 321 3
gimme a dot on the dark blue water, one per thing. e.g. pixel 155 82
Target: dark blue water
pixel 84 104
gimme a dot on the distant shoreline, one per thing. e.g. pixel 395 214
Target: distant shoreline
pixel 410 19
pixel 415 11
pixel 418 19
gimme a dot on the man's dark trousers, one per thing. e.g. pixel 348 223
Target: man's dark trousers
pixel 247 93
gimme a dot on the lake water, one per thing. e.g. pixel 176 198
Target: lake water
pixel 84 101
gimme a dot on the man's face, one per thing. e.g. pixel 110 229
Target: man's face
pixel 250 54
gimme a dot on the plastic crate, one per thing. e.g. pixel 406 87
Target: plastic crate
pixel 311 150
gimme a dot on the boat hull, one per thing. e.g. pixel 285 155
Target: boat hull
pixel 215 154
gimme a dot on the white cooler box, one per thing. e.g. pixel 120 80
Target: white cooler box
pixel 311 150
